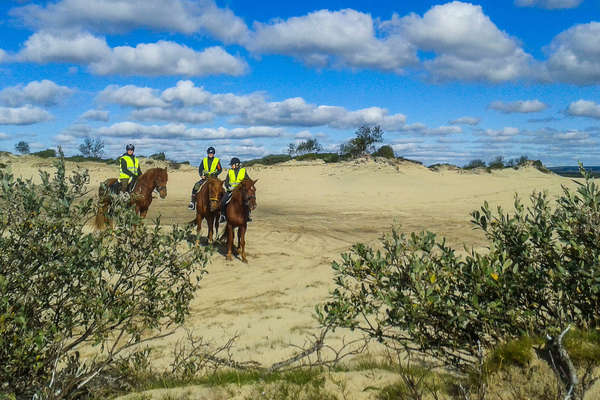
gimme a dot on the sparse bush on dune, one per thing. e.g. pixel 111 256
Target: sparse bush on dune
pixel 64 289
pixel 385 151
pixel 540 276
pixel 475 164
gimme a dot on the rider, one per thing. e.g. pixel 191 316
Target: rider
pixel 130 168
pixel 210 166
pixel 235 176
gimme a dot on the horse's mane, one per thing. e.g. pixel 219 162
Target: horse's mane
pixel 151 173
pixel 238 188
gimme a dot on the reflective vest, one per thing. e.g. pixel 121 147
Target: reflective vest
pixel 133 166
pixel 213 166
pixel 233 180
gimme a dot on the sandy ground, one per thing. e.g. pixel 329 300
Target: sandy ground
pixel 308 213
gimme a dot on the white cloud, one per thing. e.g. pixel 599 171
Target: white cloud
pixel 131 95
pixel 168 58
pixel 468 44
pixel 45 93
pixel 26 115
pixel 4 136
pixel 303 135
pixel 572 135
pixel 466 121
pixel 548 4
pixel 520 106
pixel 584 108
pixel 44 47
pixel 333 38
pixel 575 55
pixel 132 129
pixel 175 115
pixel 186 93
pixel 503 134
pixel 118 16
pixel 95 115
pixel 443 130
pixel 3 56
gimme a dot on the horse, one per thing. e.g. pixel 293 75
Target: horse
pixel 208 205
pixel 141 196
pixel 243 199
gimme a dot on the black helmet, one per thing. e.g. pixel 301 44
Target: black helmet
pixel 235 160
pixel 129 147
pixel 210 150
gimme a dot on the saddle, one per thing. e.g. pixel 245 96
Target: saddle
pixel 115 188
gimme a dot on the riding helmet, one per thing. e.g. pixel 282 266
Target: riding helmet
pixel 235 160
pixel 129 147
pixel 210 150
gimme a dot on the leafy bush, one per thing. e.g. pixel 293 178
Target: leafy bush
pixel 327 157
pixel 48 153
pixel 362 143
pixel 22 147
pixel 269 160
pixel 92 147
pixel 496 163
pixel 63 288
pixel 385 151
pixel 307 146
pixel 540 274
pixel 475 164
pixel 158 156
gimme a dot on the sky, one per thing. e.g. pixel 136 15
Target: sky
pixel 448 82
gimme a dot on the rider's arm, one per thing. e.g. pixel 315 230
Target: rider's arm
pixel 201 168
pixel 124 168
pixel 219 169
pixel 227 184
pixel 139 171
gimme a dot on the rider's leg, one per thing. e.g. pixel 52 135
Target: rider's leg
pixel 223 217
pixel 124 183
pixel 192 205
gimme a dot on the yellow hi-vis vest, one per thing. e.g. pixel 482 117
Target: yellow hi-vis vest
pixel 235 180
pixel 213 166
pixel 132 166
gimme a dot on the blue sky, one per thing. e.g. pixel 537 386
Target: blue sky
pixel 447 81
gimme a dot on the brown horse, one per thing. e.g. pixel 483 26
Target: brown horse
pixel 141 196
pixel 243 199
pixel 208 204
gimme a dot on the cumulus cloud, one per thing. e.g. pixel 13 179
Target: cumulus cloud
pixel 44 93
pixel 3 56
pixel 333 38
pixel 575 55
pixel 175 115
pixel 119 16
pixel 466 121
pixel 549 4
pixel 26 115
pixel 422 129
pixel 520 106
pixel 503 134
pixel 95 115
pixel 572 135
pixel 4 136
pixel 468 44
pixel 72 47
pixel 131 95
pixel 168 58
pixel 186 93
pixel 584 108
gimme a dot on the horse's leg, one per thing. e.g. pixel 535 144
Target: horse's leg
pixel 242 242
pixel 229 241
pixel 198 225
pixel 209 220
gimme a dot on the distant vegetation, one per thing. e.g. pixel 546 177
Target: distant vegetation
pixel 22 147
pixel 92 147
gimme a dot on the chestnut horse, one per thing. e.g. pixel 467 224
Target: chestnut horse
pixel 243 199
pixel 208 205
pixel 141 196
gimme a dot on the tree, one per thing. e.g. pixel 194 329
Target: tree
pixel 385 151
pixel 308 146
pixel 475 164
pixel 497 163
pixel 22 147
pixel 159 156
pixel 539 277
pixel 63 288
pixel 362 143
pixel 92 147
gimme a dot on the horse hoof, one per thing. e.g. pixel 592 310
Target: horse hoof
pixel 229 257
pixel 244 260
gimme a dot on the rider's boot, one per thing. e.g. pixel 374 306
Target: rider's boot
pixel 192 205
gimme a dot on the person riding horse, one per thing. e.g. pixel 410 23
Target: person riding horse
pixel 210 166
pixel 235 176
pixel 129 169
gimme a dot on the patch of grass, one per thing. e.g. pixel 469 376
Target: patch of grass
pixel 285 390
pixel 269 160
pixel 513 353
pixel 583 346
pixel 48 153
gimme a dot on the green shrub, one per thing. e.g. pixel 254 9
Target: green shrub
pixel 475 164
pixel 63 287
pixel 363 142
pixel 496 163
pixel 385 151
pixel 269 160
pixel 158 156
pixel 48 153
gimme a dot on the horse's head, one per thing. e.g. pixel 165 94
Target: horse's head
pixel 160 182
pixel 215 193
pixel 249 193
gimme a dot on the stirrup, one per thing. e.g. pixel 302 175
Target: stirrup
pixel 192 205
pixel 222 218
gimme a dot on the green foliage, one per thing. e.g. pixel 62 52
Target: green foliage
pixel 48 153
pixel 475 164
pixel 385 151
pixel 158 156
pixel 63 287
pixel 92 147
pixel 541 273
pixel 517 352
pixel 327 157
pixel 22 147
pixel 269 160
pixel 307 146
pixel 496 163
pixel 362 143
